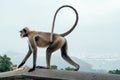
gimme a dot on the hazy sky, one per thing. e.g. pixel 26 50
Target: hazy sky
pixel 96 35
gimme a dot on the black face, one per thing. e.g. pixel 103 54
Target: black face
pixel 23 33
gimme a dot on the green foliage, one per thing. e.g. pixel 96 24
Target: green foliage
pixel 54 67
pixel 5 63
pixel 114 71
pixel 69 69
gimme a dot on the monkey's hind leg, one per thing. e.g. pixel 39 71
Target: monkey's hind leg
pixel 57 44
pixel 67 58
pixel 48 57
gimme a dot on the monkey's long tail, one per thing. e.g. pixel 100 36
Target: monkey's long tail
pixel 70 30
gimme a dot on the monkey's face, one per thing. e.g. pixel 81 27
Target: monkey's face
pixel 24 32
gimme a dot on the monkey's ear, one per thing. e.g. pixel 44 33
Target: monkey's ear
pixel 27 29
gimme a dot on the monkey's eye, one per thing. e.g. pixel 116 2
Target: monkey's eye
pixel 24 30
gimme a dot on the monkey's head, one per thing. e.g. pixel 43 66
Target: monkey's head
pixel 24 32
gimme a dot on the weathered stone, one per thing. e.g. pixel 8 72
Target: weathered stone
pixel 46 74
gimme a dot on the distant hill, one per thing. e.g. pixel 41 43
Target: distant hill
pixel 61 63
pixel 105 64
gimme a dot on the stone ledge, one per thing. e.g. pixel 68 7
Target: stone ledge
pixel 44 74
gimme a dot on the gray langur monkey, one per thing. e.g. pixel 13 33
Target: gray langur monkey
pixel 51 41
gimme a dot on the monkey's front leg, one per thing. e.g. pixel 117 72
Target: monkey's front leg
pixel 26 57
pixel 34 60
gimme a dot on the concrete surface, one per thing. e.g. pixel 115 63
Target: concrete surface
pixel 45 74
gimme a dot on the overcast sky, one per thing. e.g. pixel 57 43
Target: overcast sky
pixel 96 35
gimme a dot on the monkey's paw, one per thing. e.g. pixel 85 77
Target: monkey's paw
pixel 21 64
pixel 32 69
